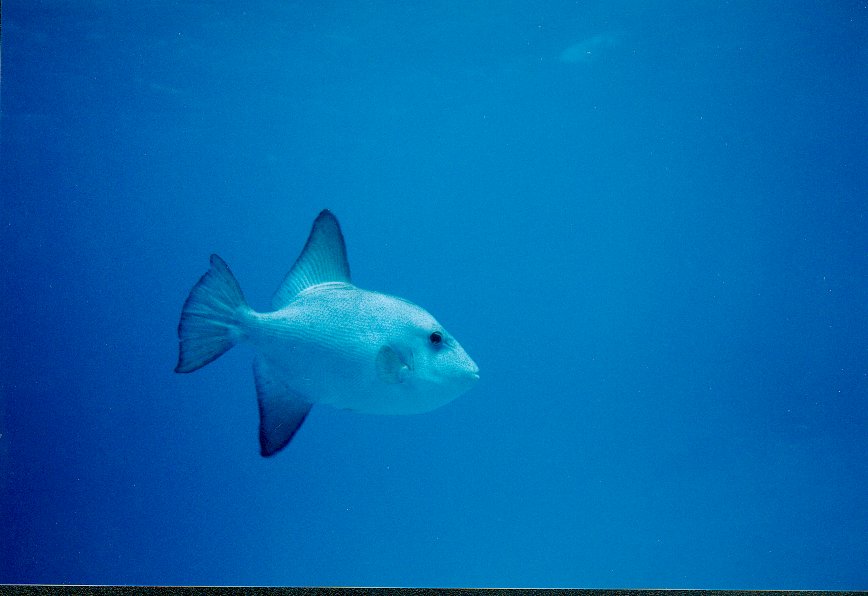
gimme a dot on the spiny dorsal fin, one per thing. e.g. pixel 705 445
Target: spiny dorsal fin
pixel 323 259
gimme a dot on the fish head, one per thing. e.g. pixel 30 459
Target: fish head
pixel 440 360
pixel 426 361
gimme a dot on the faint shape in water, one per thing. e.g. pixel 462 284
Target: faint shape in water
pixel 590 49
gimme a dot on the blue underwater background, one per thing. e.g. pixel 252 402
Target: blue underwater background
pixel 645 221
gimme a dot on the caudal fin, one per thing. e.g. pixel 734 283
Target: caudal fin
pixel 211 318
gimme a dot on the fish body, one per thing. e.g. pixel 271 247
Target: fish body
pixel 326 342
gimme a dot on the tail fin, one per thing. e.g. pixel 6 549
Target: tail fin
pixel 211 319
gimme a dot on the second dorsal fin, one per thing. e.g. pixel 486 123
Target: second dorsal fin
pixel 323 259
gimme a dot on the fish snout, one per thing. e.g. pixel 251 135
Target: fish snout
pixel 474 372
pixel 470 370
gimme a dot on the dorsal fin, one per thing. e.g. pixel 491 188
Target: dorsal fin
pixel 323 259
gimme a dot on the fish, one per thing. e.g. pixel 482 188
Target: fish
pixel 326 341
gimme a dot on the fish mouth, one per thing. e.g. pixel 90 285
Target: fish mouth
pixel 466 377
pixel 469 372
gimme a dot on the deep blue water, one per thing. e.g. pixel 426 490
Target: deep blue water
pixel 645 221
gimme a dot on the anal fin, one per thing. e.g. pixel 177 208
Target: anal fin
pixel 281 412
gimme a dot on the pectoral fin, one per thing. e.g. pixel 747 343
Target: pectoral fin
pixel 280 411
pixel 392 367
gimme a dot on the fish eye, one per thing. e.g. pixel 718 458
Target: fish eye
pixel 436 338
